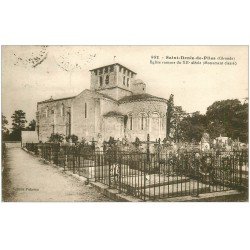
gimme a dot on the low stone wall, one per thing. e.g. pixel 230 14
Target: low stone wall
pixel 13 144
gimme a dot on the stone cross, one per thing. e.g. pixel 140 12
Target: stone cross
pixel 148 142
pixel 93 143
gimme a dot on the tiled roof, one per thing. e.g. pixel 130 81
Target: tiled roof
pixel 71 97
pixel 140 97
pixel 60 99
pixel 113 113
pixel 105 96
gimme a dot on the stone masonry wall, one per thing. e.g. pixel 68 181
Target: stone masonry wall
pixel 83 126
pixel 154 120
pixel 55 117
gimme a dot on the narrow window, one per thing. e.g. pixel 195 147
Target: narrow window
pixel 127 82
pixel 95 72
pixel 124 79
pixel 100 71
pixel 111 68
pixel 128 73
pixel 132 75
pixel 100 80
pixel 62 110
pixel 120 68
pixel 124 71
pixel 131 122
pixel 107 79
pixel 106 69
pixel 85 108
pixel 142 121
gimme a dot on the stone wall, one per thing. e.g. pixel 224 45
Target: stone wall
pixel 29 137
pixel 112 127
pixel 83 122
pixel 117 78
pixel 52 116
pixel 138 87
pixel 116 93
pixel 154 119
pixel 95 80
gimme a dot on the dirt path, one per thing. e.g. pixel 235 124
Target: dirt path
pixel 26 178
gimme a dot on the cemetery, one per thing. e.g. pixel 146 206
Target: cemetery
pixel 153 170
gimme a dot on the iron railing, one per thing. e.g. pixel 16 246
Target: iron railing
pixel 151 176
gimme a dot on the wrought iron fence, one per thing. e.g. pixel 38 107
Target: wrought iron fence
pixel 151 176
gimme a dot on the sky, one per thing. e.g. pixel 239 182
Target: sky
pixel 35 73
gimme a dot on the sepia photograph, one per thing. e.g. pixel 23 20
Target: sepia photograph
pixel 124 123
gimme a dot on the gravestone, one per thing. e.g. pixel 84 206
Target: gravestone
pixel 205 145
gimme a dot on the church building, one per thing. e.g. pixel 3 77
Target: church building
pixel 116 105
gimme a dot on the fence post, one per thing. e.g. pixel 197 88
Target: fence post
pixel 66 157
pixel 95 155
pixel 148 151
pixel 241 165
pixel 73 158
pixel 198 180
pixel 120 172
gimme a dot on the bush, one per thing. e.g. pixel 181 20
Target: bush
pixel 56 137
pixel 73 138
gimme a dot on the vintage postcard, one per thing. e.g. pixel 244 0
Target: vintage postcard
pixel 124 123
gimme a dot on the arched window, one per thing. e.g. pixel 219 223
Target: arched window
pixel 130 122
pixel 100 80
pixel 62 110
pixel 143 122
pixel 124 80
pixel 107 79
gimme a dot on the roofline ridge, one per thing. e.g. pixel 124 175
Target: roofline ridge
pixel 116 63
pixel 58 99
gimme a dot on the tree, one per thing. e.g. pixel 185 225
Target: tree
pixel 18 124
pixel 228 118
pixel 176 131
pixel 193 126
pixel 216 128
pixel 241 123
pixel 5 131
pixel 31 126
pixel 169 114
pixel 174 116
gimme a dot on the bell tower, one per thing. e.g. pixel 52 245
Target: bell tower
pixel 114 80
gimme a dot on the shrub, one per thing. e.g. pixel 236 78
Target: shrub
pixel 56 137
pixel 73 138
